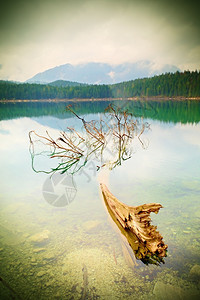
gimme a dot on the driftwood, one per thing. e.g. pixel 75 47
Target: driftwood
pixel 134 223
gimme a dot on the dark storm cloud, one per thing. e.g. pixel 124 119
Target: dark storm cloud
pixel 22 18
pixel 182 13
pixel 21 15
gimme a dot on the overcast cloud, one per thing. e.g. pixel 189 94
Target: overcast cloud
pixel 39 34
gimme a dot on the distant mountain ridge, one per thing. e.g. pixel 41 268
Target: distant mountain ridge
pixel 101 73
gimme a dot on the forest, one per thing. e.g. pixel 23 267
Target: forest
pixel 185 84
pixel 179 84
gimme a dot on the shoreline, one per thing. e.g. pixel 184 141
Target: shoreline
pixel 144 98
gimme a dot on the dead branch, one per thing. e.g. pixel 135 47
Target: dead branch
pixel 135 223
pixel 117 129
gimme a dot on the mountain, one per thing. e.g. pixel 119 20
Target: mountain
pixel 101 73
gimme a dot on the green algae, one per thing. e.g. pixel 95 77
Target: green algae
pixel 56 267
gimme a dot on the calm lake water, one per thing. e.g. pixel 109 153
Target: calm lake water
pixel 74 251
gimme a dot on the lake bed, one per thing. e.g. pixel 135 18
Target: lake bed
pixel 75 251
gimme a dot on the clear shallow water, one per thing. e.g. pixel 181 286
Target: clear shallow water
pixel 75 252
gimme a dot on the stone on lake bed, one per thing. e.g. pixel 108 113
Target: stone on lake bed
pixel 38 250
pixel 33 260
pixel 195 271
pixel 197 213
pixel 163 291
pixel 48 256
pixel 91 225
pixel 25 235
pixel 166 291
pixel 48 283
pixel 41 273
pixel 40 237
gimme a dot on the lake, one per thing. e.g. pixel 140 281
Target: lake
pixel 57 240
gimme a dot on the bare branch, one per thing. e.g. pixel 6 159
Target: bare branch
pixel 117 129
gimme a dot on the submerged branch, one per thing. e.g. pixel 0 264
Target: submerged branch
pixel 134 223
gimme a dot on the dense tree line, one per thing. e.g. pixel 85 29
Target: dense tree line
pixel 185 84
pixel 10 90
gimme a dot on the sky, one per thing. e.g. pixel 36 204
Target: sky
pixel 36 35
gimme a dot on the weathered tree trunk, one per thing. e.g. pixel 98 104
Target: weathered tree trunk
pixel 135 224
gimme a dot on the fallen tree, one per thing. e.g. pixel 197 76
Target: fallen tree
pixel 109 142
pixel 134 223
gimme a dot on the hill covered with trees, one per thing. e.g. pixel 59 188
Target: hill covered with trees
pixel 179 84
pixel 9 91
pixel 64 83
pixel 185 84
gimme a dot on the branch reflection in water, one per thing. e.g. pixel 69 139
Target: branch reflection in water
pixel 108 142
